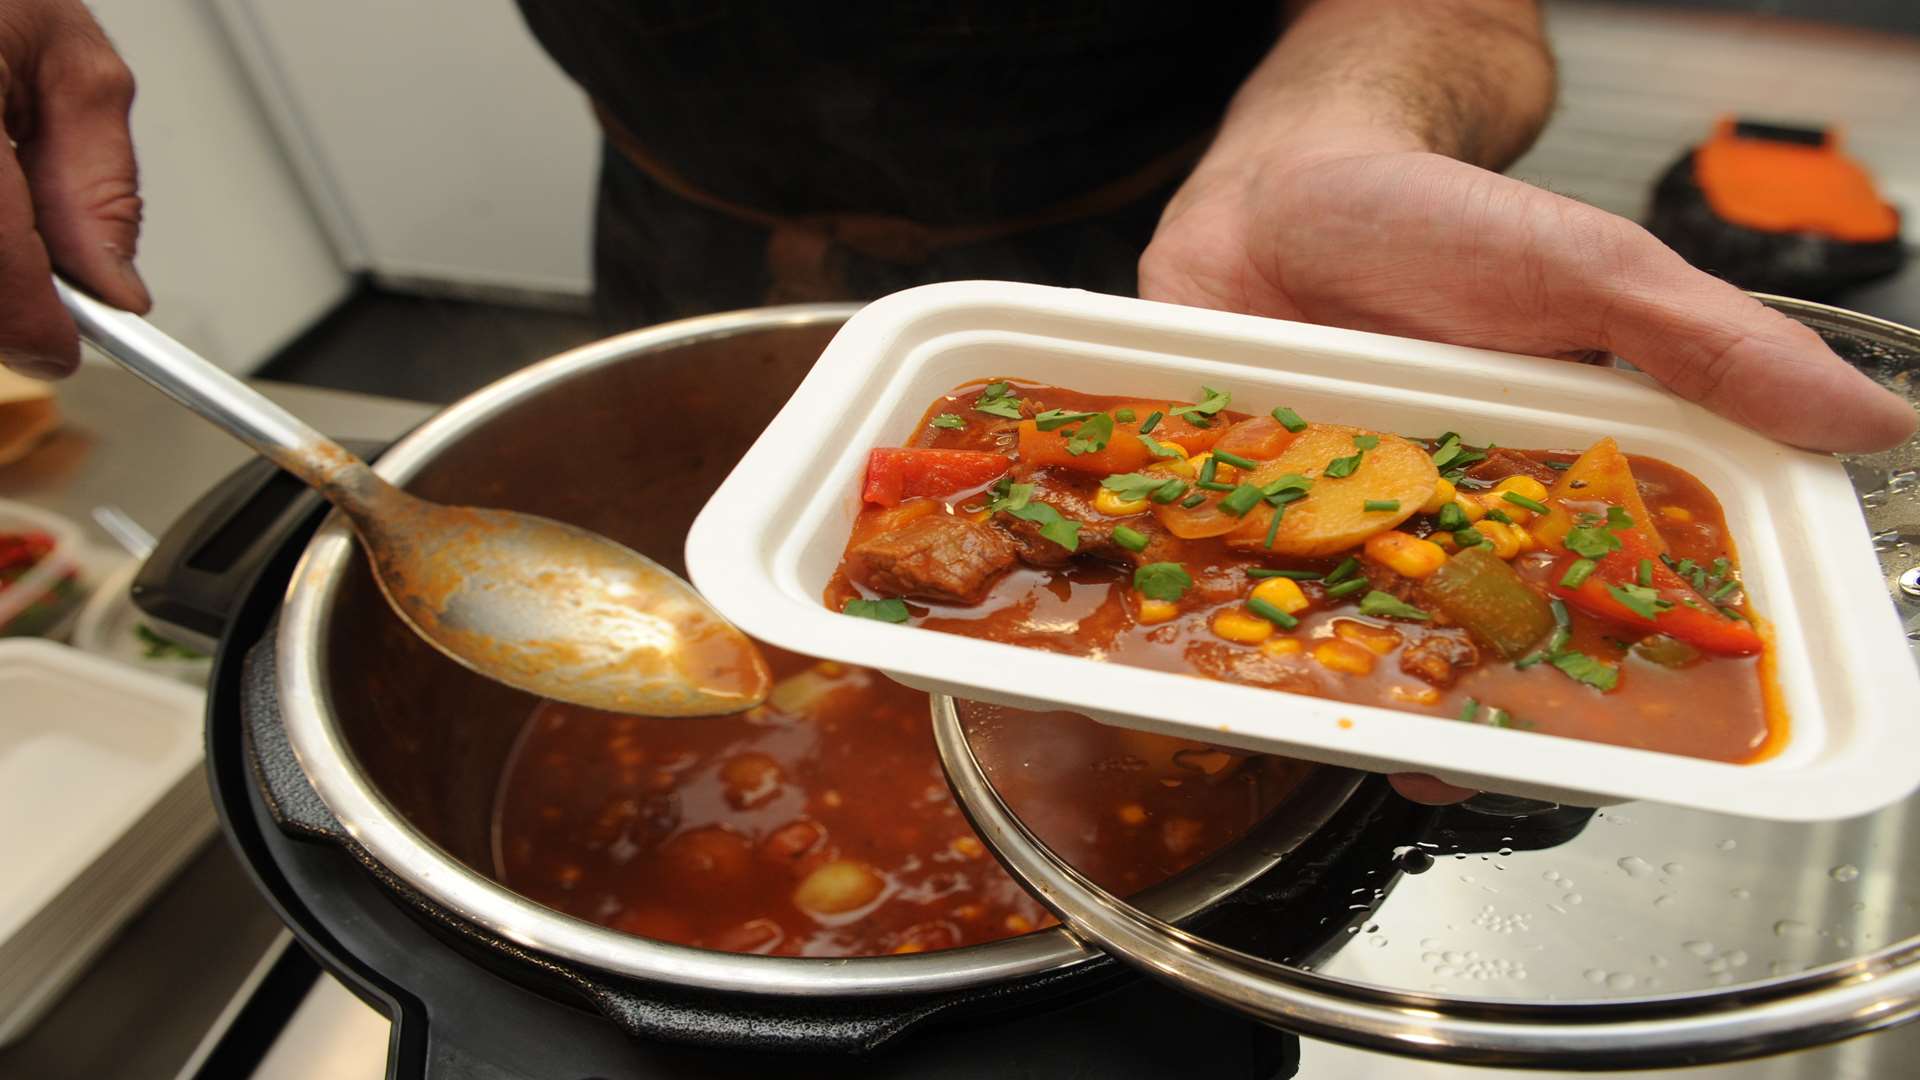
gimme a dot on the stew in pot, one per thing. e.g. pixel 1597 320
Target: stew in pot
pixel 820 823
pixel 1595 595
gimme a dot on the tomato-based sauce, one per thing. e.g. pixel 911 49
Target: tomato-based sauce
pixel 820 824
pixel 1594 596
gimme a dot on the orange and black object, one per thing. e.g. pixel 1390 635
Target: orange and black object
pixel 1777 209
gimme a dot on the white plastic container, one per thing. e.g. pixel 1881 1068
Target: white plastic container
pixel 765 545
pixel 45 577
pixel 102 800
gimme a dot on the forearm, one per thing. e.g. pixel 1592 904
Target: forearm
pixel 1470 79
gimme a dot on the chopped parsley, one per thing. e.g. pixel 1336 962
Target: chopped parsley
pixel 1131 539
pixel 1388 606
pixel 998 400
pixel 1591 541
pixel 1289 482
pixel 1092 436
pixel 1135 486
pixel 951 421
pixel 1017 501
pixel 891 610
pixel 1289 419
pixel 1162 581
pixel 1618 518
pixel 1582 668
pixel 1211 402
pixel 1366 442
pixel 1468 709
pixel 1053 418
pixel 1344 466
pixel 1159 449
pixel 1639 599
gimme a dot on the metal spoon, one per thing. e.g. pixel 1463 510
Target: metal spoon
pixel 551 609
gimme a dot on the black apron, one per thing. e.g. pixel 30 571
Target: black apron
pixel 765 153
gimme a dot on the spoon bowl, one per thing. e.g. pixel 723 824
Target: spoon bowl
pixel 536 604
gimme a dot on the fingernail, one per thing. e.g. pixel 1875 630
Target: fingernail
pixel 131 278
pixel 33 365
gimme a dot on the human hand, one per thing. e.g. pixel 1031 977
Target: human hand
pixel 68 187
pixel 1391 239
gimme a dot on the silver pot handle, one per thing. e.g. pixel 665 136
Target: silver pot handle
pixel 1819 1006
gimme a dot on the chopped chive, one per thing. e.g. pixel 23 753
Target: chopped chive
pixel 1342 572
pixel 1053 418
pixel 1645 574
pixel 1500 516
pixel 1289 419
pixel 1380 505
pixel 1732 614
pixel 1562 618
pixel 1235 460
pixel 1152 421
pixel 1194 499
pixel 1699 579
pixel 1208 468
pixel 1213 485
pixel 1169 491
pixel 1130 539
pixel 1125 416
pixel 1499 718
pixel 1523 502
pixel 1240 500
pixel 1684 568
pixel 1272 614
pixel 1578 573
pixel 1282 498
pixel 1273 527
pixel 1721 566
pixel 1347 588
pixel 1451 518
pixel 1560 466
pixel 1448 449
pixel 1468 711
pixel 1467 538
pixel 1724 591
pixel 1259 572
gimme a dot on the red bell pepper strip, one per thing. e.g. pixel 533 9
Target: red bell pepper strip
pixel 895 474
pixel 1690 618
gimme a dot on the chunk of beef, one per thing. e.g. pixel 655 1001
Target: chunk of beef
pixel 1384 579
pixel 1502 463
pixel 1439 657
pixel 937 557
pixel 1251 667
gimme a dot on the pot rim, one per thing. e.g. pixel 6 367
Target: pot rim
pixel 376 826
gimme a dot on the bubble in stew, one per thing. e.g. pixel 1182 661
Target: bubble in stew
pixel 820 823
pixel 1586 593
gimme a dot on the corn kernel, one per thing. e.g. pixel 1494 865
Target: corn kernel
pixel 832 669
pixel 1527 542
pixel 1379 640
pixel 968 847
pixel 1111 504
pixel 1157 611
pixel 1414 695
pixel 1223 473
pixel 1132 814
pixel 1242 627
pixel 1282 645
pixel 1679 514
pixel 1470 506
pixel 1283 593
pixel 1406 554
pixel 1524 486
pixel 1505 544
pixel 1336 654
pixel 1442 495
pixel 909 947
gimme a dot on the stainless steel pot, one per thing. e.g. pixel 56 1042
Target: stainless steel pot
pixel 626 437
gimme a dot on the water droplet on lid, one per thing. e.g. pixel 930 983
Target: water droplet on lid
pixel 1856 906
pixel 1717 965
pixel 1663 901
pixel 1635 866
pixel 1620 980
pixel 1377 941
pixel 1657 961
pixel 1789 928
pixel 1720 978
pixel 1737 958
pixel 1595 976
pixel 1728 845
pixel 1701 949
pixel 1671 868
pixel 1551 875
pixel 1571 898
pixel 1739 894
pixel 1844 872
pixel 1504 851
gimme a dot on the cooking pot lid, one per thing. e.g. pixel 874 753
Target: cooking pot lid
pixel 1656 935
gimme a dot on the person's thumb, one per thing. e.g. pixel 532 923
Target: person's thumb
pixel 79 163
pixel 1711 343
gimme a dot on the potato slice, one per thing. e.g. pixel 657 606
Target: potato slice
pixel 1602 474
pixel 1333 517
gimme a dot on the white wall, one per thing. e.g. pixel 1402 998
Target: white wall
pixel 439 138
pixel 1639 85
pixel 231 251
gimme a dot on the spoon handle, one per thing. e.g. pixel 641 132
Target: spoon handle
pixel 245 413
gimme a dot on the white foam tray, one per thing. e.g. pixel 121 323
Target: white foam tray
pixel 765 545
